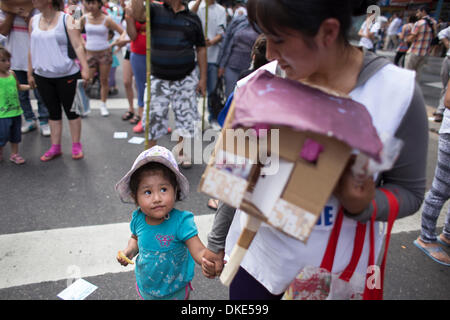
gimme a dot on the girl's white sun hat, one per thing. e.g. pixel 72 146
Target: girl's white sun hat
pixel 154 154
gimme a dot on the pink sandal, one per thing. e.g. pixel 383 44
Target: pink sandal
pixel 52 153
pixel 77 152
pixel 16 158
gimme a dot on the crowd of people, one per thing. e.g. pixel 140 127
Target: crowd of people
pixel 306 41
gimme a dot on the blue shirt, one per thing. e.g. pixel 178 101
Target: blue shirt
pixel 164 264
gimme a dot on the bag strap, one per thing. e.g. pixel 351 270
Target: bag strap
pixel 328 258
pixel 376 292
pixel 357 251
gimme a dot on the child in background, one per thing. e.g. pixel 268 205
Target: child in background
pixel 115 63
pixel 10 110
pixel 165 238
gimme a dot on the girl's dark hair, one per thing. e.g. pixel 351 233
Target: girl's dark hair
pixel 58 5
pixel 4 52
pixel 305 16
pixel 168 174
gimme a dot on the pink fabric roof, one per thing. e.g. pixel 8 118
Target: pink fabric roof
pixel 268 99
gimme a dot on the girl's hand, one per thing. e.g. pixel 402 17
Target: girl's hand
pixel 212 263
pixel 124 259
pixel 354 194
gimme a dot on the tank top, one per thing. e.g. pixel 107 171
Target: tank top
pixel 9 98
pixel 139 44
pixel 96 36
pixel 49 51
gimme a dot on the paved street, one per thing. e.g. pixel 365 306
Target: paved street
pixel 62 219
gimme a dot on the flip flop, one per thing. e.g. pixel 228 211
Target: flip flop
pixel 430 250
pixel 443 242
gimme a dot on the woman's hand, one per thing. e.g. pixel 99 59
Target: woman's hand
pixel 220 72
pixel 85 75
pixel 31 81
pixel 212 263
pixel 354 194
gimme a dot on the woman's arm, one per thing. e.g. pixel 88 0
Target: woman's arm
pixel 121 41
pixel 131 27
pixel 407 179
pixel 75 39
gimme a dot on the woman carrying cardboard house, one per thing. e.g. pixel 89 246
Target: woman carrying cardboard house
pixel 308 39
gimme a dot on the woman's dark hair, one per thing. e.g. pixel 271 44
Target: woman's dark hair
pixel 100 2
pixel 168 174
pixel 58 5
pixel 259 52
pixel 305 16
pixel 412 18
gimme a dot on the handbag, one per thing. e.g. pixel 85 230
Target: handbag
pixel 319 283
pixel 70 50
pixel 217 98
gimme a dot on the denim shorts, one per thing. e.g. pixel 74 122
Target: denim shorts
pixel 10 130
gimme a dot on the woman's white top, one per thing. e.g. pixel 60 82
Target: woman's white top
pixel 49 50
pixel 274 259
pixel 96 36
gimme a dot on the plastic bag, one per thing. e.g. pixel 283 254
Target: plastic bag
pixel 81 104
pixel 315 283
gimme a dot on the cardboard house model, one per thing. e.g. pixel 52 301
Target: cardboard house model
pixel 308 136
pixel 16 6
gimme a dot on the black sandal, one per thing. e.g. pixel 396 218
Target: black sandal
pixel 127 116
pixel 135 119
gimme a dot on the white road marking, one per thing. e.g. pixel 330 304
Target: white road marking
pixel 51 255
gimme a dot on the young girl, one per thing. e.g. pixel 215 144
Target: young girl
pixel 115 63
pixel 10 110
pixel 98 49
pixel 165 238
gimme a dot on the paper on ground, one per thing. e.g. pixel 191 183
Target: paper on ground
pixel 120 135
pixel 136 140
pixel 78 290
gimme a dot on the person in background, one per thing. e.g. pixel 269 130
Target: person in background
pixel 14 27
pixel 368 32
pixel 391 32
pixel 420 38
pixel 404 45
pixel 127 73
pixel 10 111
pixel 216 31
pixel 235 56
pixel 439 193
pixel 115 63
pixel 176 33
pixel 54 73
pixel 98 50
pixel 444 37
